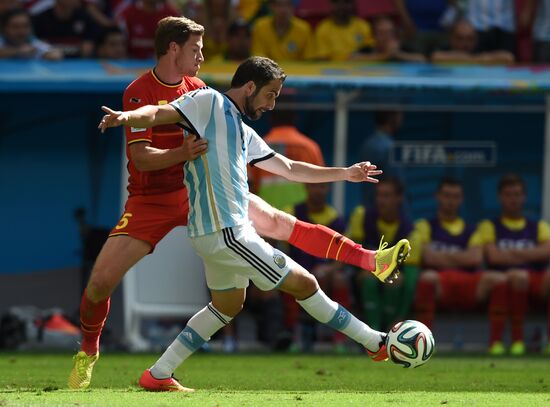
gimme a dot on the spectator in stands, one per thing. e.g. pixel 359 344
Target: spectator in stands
pixel 385 304
pixel 463 48
pixel 519 247
pixel 329 273
pixel 239 41
pixel 452 256
pixel 216 17
pixel 342 35
pixel 67 26
pixel 495 23
pixel 101 12
pixel 17 40
pixel 286 139
pixel 541 27
pixel 387 45
pixel 422 23
pixel 377 148
pixel 282 36
pixel 139 20
pixel 111 44
pixel 6 5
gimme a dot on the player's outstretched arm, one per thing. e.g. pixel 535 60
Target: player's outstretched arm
pixel 145 116
pixel 300 171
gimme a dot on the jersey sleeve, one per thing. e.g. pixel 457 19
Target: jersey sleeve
pixel 486 230
pixel 476 239
pixel 543 232
pixel 258 150
pixel 195 108
pixel 136 96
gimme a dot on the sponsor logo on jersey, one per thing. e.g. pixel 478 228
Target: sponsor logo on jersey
pixel 135 100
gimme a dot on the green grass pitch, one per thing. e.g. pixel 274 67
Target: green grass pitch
pixel 282 380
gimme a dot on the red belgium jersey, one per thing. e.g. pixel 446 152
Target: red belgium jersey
pixel 149 90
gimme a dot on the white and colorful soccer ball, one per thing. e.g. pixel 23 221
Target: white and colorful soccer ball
pixel 410 343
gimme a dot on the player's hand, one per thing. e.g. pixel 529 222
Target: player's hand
pixel 113 118
pixel 193 146
pixel 363 172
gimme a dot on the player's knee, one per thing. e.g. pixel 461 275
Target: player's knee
pixel 429 277
pixel 518 279
pixel 284 224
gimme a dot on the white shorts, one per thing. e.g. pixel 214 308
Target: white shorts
pixel 235 255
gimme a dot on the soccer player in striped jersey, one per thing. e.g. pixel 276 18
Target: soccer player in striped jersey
pixel 158 199
pixel 218 222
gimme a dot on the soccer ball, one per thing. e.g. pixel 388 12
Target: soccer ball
pixel 410 343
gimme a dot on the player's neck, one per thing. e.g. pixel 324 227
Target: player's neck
pixel 447 216
pixel 166 73
pixel 236 96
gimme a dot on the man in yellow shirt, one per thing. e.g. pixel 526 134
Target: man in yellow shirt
pixel 452 256
pixel 383 305
pixel 519 247
pixel 342 34
pixel 282 36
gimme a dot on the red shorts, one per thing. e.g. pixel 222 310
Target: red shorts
pixel 458 289
pixel 151 217
pixel 535 284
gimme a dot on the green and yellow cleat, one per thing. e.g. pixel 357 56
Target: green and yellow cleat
pixel 389 260
pixel 81 374
pixel 517 348
pixel 497 349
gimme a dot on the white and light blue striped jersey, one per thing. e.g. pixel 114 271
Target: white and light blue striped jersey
pixel 541 27
pixel 487 14
pixel 217 181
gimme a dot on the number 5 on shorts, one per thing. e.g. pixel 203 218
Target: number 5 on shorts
pixel 123 221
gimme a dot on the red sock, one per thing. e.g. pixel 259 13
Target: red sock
pixel 323 242
pixel 498 310
pixel 518 309
pixel 424 303
pixel 92 319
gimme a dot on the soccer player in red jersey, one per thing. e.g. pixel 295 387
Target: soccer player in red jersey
pixel 157 199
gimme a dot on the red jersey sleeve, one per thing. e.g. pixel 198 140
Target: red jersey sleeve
pixel 136 95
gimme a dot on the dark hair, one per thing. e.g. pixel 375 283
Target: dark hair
pixel 398 186
pixel 237 26
pixel 382 117
pixel 259 70
pixel 105 34
pixel 451 181
pixel 174 29
pixel 510 180
pixel 9 14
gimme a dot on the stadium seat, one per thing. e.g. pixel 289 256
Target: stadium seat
pixel 313 11
pixel 369 9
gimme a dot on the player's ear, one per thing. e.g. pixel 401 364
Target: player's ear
pixel 250 88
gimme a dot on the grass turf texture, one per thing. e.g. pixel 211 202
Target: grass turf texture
pixel 282 380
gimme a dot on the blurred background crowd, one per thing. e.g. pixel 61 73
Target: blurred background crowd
pixel 464 31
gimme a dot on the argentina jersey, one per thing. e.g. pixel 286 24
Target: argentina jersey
pixel 217 181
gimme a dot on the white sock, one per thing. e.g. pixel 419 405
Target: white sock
pixel 198 330
pixel 324 310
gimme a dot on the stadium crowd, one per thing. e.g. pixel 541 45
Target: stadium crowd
pixel 453 31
